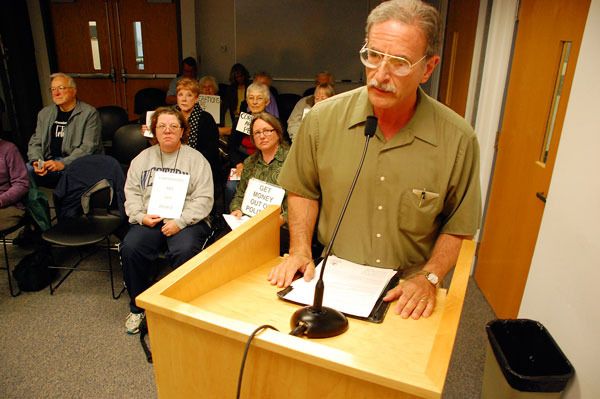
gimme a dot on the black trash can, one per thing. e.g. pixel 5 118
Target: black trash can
pixel 523 361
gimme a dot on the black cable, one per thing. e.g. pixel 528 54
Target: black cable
pixel 250 338
pixel 300 329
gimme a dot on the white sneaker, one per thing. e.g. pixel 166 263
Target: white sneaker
pixel 133 321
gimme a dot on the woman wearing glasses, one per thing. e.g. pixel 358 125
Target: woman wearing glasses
pixel 240 145
pixel 265 164
pixel 149 233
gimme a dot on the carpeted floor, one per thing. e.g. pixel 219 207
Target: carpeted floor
pixel 73 345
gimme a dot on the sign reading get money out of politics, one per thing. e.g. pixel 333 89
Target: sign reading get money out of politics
pixel 259 195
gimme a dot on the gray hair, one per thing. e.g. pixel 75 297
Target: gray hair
pixel 211 80
pixel 259 87
pixel 70 80
pixel 410 12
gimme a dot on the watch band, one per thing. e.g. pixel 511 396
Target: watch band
pixel 431 277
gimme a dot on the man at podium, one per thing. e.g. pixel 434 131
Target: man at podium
pixel 418 195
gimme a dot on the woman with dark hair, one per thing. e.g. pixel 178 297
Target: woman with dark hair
pixel 183 236
pixel 265 164
pixel 239 79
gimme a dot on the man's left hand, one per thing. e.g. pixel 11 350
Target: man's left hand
pixel 170 228
pixel 54 166
pixel 416 297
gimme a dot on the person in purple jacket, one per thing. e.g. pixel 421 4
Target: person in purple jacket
pixel 14 184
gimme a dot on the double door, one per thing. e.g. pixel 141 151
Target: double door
pixel 113 48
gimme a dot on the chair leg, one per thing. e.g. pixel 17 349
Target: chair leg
pixel 110 270
pixel 6 263
pixel 63 278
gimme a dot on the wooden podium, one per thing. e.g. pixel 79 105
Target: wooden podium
pixel 201 314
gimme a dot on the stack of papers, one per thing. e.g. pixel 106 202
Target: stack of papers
pixel 350 288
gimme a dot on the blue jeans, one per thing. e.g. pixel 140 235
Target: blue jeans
pixel 49 180
pixel 142 246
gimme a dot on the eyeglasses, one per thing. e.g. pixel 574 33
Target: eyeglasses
pixel 399 66
pixel 264 132
pixel 162 126
pixel 59 88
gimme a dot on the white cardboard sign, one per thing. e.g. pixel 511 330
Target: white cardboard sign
pixel 168 194
pixel 259 195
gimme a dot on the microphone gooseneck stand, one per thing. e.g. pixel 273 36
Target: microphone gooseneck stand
pixel 318 321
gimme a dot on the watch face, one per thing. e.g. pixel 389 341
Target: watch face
pixel 433 279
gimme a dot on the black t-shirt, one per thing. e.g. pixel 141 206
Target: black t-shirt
pixel 57 133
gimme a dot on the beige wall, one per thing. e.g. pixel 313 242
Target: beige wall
pixel 562 288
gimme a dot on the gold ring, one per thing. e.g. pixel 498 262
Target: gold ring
pixel 423 299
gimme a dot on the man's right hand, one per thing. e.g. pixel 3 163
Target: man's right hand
pixel 151 220
pixel 282 275
pixel 39 171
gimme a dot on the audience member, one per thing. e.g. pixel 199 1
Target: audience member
pixel 240 145
pixel 264 164
pixel 267 80
pixel 149 233
pixel 209 86
pixel 322 91
pixel 203 133
pixel 189 69
pixel 239 79
pixel 14 184
pixel 322 77
pixel 65 131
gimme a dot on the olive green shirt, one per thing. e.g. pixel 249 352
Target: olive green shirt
pixel 255 166
pixel 422 182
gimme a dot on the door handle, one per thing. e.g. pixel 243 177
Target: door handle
pixel 541 197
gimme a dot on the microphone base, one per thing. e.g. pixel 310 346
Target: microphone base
pixel 323 323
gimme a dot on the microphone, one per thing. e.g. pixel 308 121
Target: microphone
pixel 318 321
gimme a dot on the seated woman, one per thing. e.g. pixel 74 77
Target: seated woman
pixel 14 184
pixel 209 86
pixel 322 91
pixel 265 164
pixel 204 133
pixel 149 233
pixel 240 144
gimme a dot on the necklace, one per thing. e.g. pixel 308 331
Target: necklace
pixel 176 158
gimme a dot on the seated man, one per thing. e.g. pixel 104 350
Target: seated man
pixel 65 131
pixel 189 69
pixel 14 184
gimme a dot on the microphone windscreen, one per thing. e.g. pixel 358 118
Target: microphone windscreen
pixel 371 126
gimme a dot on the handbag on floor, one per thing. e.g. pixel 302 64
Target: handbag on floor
pixel 32 272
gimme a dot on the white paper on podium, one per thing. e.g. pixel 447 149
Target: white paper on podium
pixel 349 287
pixel 234 222
pixel 168 194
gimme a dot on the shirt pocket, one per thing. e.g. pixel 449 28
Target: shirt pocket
pixel 419 209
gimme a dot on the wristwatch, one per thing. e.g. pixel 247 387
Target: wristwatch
pixel 431 277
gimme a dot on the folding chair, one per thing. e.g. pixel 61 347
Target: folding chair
pixel 93 227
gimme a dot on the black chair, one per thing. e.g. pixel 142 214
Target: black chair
pixel 97 223
pixel 3 234
pixel 147 99
pixel 128 142
pixel 112 118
